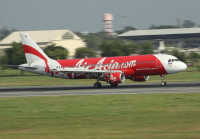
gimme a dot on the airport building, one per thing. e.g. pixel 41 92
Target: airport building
pixel 64 38
pixel 185 38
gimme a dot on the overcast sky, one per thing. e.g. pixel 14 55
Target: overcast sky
pixel 86 15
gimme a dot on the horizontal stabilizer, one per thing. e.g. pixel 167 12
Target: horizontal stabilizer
pixel 17 66
pixel 14 66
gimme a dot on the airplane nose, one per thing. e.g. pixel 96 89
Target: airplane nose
pixel 183 66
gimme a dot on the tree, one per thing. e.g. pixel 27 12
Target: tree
pixel 129 48
pixel 56 52
pixel 84 52
pixel 162 27
pixel 5 32
pixel 195 58
pixel 146 48
pixel 152 26
pixel 116 48
pixel 188 24
pixel 126 28
pixel 92 41
pixel 106 48
pixel 3 62
pixel 15 55
pixel 179 55
pixel 194 55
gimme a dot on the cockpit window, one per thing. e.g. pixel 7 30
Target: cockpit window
pixel 173 60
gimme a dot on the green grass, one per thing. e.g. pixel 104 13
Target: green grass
pixel 154 116
pixel 13 78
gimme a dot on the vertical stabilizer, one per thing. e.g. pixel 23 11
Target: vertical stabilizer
pixel 32 51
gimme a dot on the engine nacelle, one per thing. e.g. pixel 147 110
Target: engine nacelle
pixel 140 78
pixel 114 78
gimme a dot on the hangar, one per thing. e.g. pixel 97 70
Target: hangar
pixel 186 37
pixel 43 38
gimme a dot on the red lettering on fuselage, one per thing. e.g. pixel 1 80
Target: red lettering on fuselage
pixel 130 65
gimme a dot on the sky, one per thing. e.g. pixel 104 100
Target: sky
pixel 86 15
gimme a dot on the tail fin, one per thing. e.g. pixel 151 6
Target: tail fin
pixel 32 51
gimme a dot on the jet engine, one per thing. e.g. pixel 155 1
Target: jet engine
pixel 114 78
pixel 140 78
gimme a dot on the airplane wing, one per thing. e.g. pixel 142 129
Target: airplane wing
pixel 82 71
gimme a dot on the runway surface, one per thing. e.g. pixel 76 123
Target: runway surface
pixel 134 88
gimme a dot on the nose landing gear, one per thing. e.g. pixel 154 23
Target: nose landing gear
pixel 163 83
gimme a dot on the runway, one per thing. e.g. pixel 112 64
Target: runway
pixel 134 88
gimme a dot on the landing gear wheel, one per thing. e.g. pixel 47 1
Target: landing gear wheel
pixel 97 85
pixel 163 83
pixel 114 84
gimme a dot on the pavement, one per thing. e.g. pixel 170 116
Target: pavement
pixel 130 88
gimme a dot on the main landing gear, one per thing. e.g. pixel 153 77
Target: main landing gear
pixel 97 84
pixel 163 83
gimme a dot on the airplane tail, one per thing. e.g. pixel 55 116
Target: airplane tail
pixel 32 51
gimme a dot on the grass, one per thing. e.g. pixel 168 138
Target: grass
pixel 13 78
pixel 153 116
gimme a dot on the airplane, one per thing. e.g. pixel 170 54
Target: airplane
pixel 113 70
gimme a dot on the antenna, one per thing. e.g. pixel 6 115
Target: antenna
pixel 178 20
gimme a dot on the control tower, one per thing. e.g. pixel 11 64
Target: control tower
pixel 107 23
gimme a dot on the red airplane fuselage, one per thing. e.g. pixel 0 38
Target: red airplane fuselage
pixel 140 65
